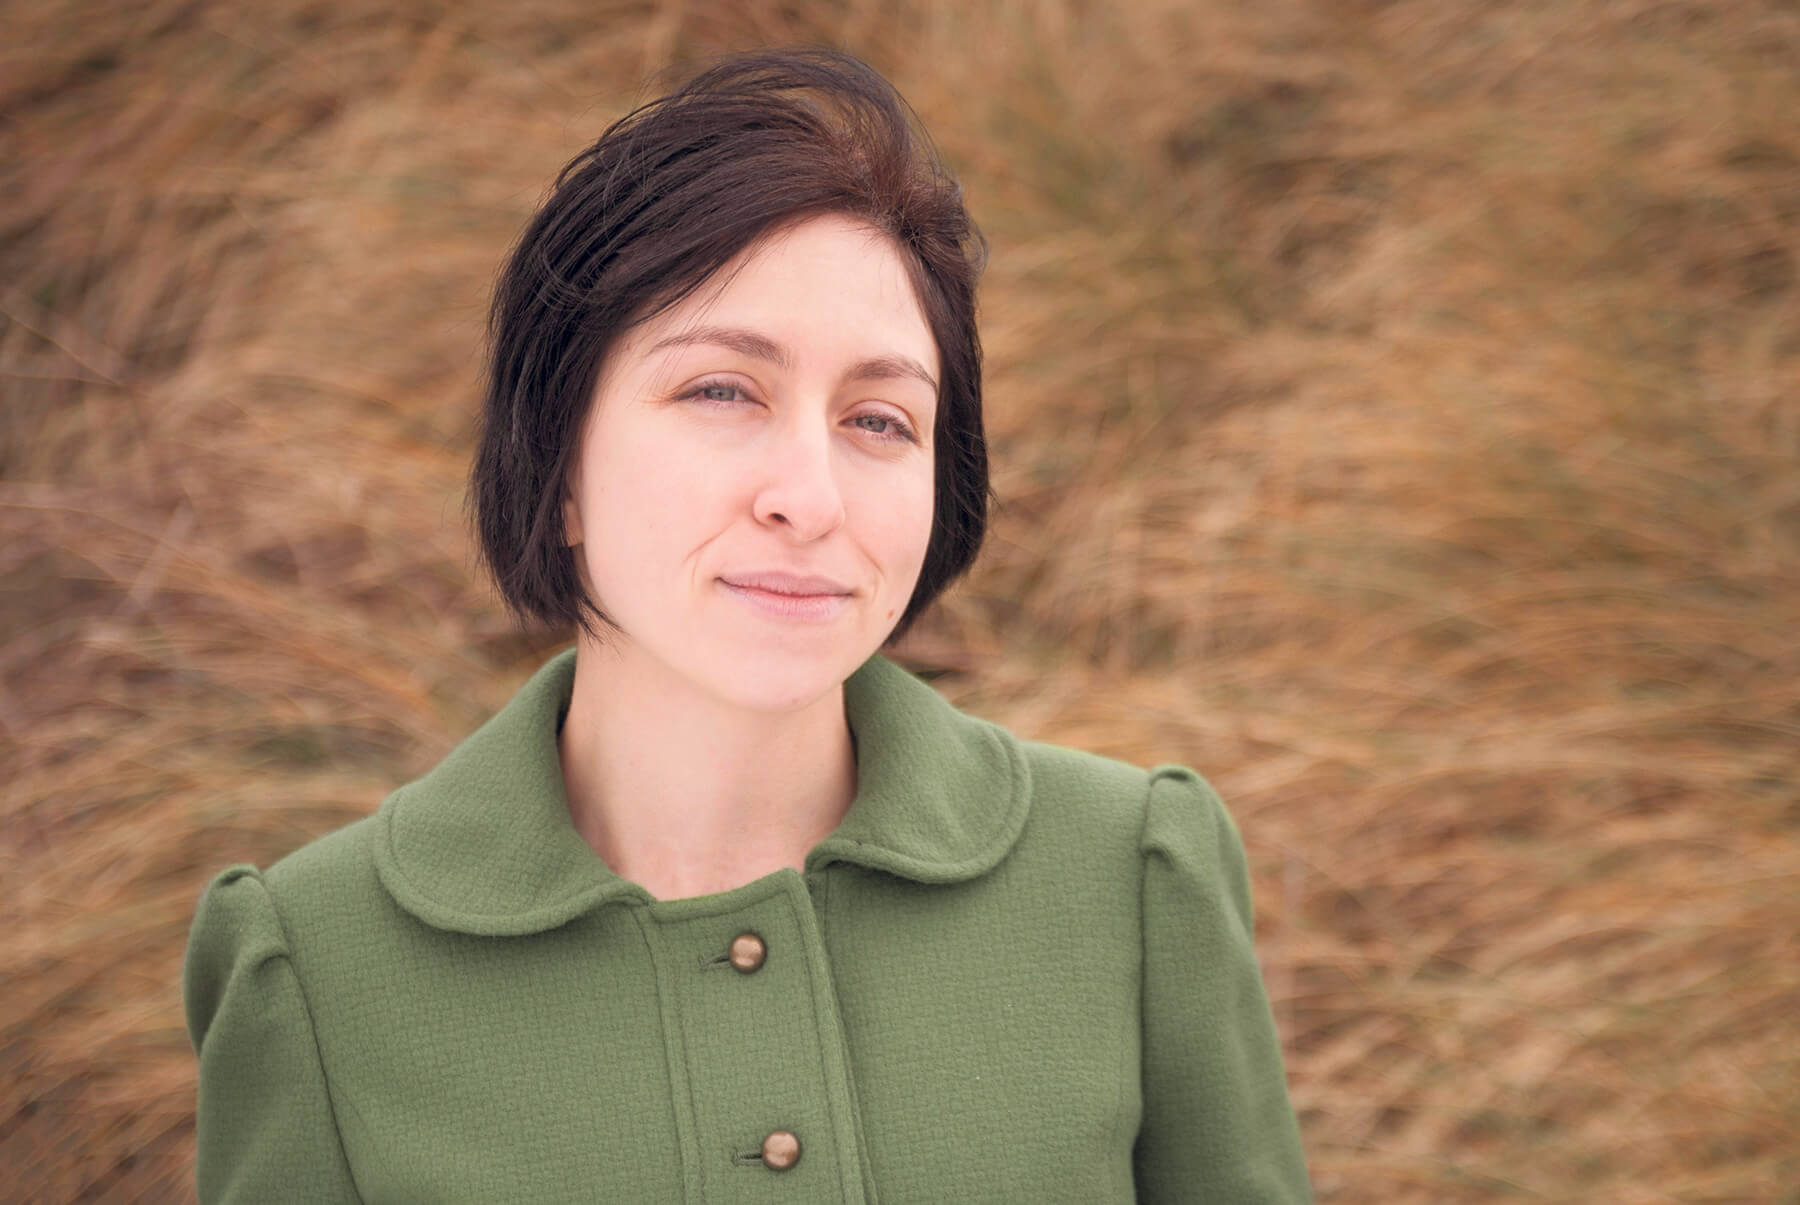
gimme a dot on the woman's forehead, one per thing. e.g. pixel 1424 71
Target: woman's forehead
pixel 829 284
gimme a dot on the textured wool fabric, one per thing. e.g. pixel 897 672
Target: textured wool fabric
pixel 1014 972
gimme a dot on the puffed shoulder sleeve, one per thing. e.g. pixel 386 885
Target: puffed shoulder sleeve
pixel 265 1130
pixel 1217 1123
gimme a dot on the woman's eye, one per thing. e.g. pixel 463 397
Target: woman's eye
pixel 883 426
pixel 716 392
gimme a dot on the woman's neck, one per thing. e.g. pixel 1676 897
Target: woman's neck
pixel 685 794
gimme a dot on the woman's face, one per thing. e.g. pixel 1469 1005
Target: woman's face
pixel 753 495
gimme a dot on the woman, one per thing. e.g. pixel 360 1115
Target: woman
pixel 724 905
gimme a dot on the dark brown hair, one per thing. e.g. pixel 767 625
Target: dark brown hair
pixel 643 217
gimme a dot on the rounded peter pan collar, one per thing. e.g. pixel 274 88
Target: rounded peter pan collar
pixel 483 843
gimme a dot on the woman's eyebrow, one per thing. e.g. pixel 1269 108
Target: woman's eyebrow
pixel 888 368
pixel 748 343
pixel 761 347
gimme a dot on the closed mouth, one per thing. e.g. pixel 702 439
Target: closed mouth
pixel 788 585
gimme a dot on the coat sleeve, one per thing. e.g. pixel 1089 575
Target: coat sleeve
pixel 265 1130
pixel 1217 1122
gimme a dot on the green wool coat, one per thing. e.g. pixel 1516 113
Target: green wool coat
pixel 1013 973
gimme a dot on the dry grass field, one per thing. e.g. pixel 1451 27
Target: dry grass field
pixel 1396 416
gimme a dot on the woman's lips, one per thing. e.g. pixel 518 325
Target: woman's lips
pixel 786 596
pixel 785 583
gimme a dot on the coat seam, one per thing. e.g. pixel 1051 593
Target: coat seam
pixel 681 1084
pixel 1143 1000
pixel 863 1153
pixel 312 1030
pixel 1136 1016
pixel 814 987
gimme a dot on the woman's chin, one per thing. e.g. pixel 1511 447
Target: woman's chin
pixel 783 679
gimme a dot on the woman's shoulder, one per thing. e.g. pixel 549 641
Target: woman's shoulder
pixel 1091 804
pixel 336 865
pixel 248 916
pixel 1110 791
pixel 328 882
pixel 1066 779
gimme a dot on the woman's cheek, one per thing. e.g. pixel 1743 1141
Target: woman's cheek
pixel 907 530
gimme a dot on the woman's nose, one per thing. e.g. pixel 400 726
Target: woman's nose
pixel 800 491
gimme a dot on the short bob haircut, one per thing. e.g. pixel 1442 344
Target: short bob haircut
pixel 646 215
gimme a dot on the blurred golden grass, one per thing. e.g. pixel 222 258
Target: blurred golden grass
pixel 1395 416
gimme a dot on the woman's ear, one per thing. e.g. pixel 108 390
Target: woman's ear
pixel 571 515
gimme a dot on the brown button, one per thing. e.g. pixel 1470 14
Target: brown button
pixel 781 1150
pixel 747 954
